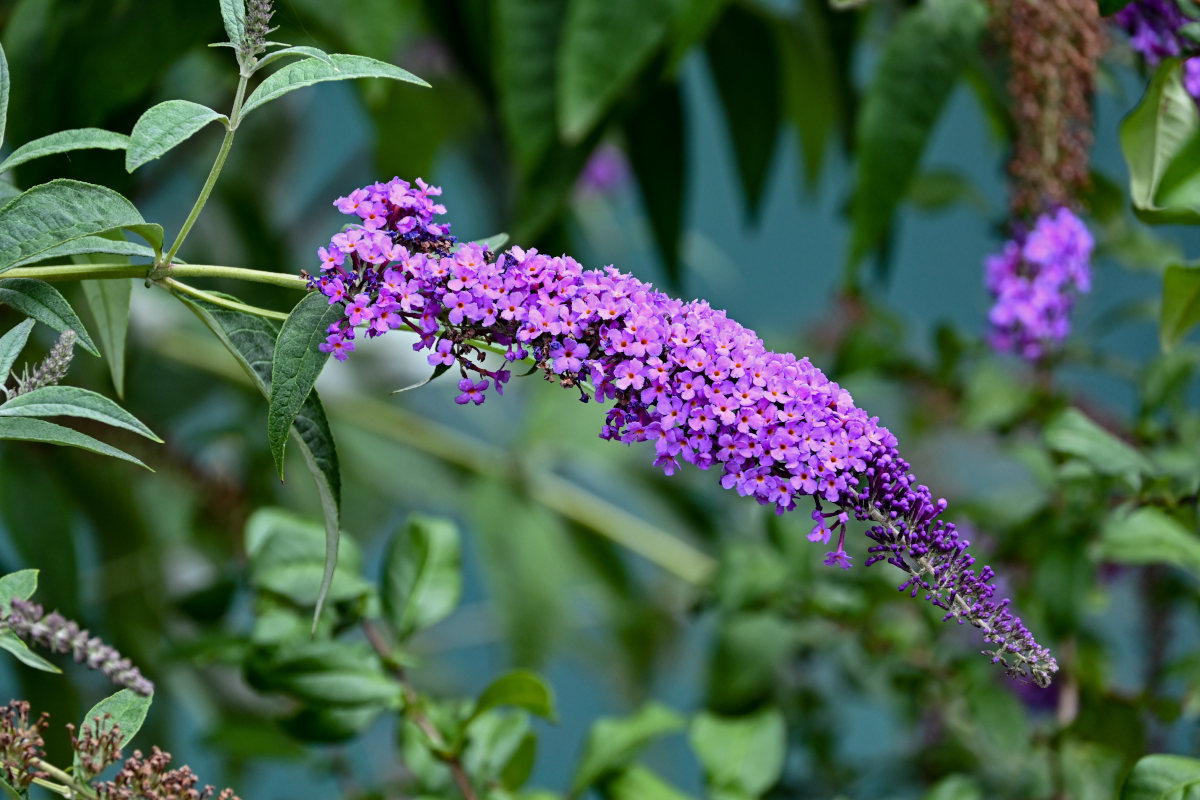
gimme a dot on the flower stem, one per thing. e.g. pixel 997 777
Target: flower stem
pixel 116 269
pixel 178 287
pixel 72 786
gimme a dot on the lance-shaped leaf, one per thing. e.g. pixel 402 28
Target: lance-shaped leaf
pixel 1156 135
pixel 65 141
pixel 90 244
pixel 299 51
pixel 233 14
pixel 313 70
pixel 43 302
pixel 26 429
pixel 438 371
pixel 1180 305
pixel 524 47
pixel 62 210
pixel 251 341
pixel 164 126
pixel 422 574
pixel 4 81
pixel 10 643
pixel 657 154
pixel 297 363
pixel 22 583
pixel 920 64
pixel 11 345
pixel 74 401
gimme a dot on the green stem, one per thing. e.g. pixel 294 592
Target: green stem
pixel 213 174
pixel 179 287
pixel 74 787
pixel 102 271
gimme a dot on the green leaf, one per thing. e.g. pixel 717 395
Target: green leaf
pixel 36 430
pixel 22 583
pixel 921 62
pixel 126 710
pixel 287 557
pixel 164 126
pixel 291 52
pixel 296 364
pixel 605 44
pixel 233 14
pixel 812 99
pixel 519 767
pixel 493 243
pixel 11 345
pixel 325 673
pixel 1148 536
pixel 1153 136
pixel 109 302
pixel 1180 304
pixel 955 787
pixel 752 117
pixel 693 23
pixel 90 244
pixel 10 643
pixel 1163 777
pixel 64 141
pixel 422 574
pixel 4 88
pixel 41 301
pixel 312 70
pixel 743 754
pixel 520 689
pixel 1108 7
pixel 438 371
pixel 74 401
pixel 524 48
pixel 1073 433
pixel 10 792
pixel 61 210
pixel 639 783
pixel 613 742
pixel 657 156
pixel 251 341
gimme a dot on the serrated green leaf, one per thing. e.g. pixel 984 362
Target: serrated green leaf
pixel 422 574
pixel 613 742
pixel 752 118
pixel 921 62
pixel 37 430
pixel 10 643
pixel 519 689
pixel 61 210
pixel 657 155
pixel 1148 536
pixel 744 754
pixel 1155 134
pixel 11 345
pixel 1163 777
pixel 22 583
pixel 90 244
pixel 605 44
pixel 293 52
pixel 525 44
pixel 296 364
pixel 74 401
pixel 1180 304
pixel 233 14
pixel 65 141
pixel 164 126
pixel 126 710
pixel 1073 433
pixel 639 783
pixel 41 301
pixel 251 341
pixel 312 70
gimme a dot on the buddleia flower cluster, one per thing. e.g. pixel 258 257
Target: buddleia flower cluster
pixel 1033 282
pixel 1155 32
pixel 682 376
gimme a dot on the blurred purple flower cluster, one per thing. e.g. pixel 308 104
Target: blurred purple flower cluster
pixel 704 389
pixel 1154 32
pixel 1034 280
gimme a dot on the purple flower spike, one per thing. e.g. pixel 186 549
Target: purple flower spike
pixel 704 389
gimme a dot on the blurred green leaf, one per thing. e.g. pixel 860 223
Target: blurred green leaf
pixel 422 574
pixel 752 117
pixel 524 55
pixel 613 742
pixel 295 365
pixel 1073 433
pixel 520 766
pixel 287 557
pixel 656 154
pixel 36 430
pixel 812 100
pixel 22 583
pixel 43 302
pixel 1148 536
pixel 939 189
pixel 325 673
pixel 744 754
pixel 126 710
pixel 164 126
pixel 993 396
pixel 329 725
pixel 1180 304
pixel 74 401
pixel 520 689
pixel 494 740
pixel 6 787
pixel 56 212
pixel 1163 777
pixel 955 787
pixel 19 650
pixel 605 44
pixel 1091 771
pixel 11 345
pixel 639 783
pixel 751 649
pixel 920 64
pixel 109 302
pixel 233 14
pixel 1108 7
pixel 313 70
pixel 1153 136
pixel 65 141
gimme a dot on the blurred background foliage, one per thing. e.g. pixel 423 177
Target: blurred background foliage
pixel 721 143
